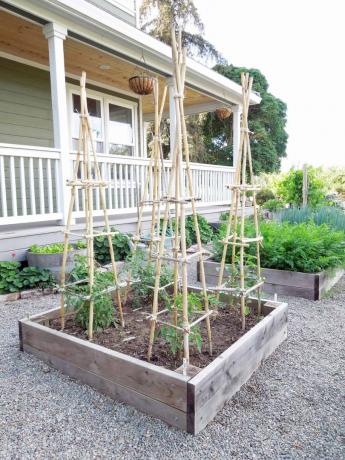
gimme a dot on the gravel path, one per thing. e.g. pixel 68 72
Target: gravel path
pixel 292 408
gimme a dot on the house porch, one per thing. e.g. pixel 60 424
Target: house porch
pixel 36 131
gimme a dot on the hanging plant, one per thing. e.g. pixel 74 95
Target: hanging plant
pixel 141 84
pixel 223 113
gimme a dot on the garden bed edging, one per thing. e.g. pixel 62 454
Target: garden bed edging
pixel 186 402
pixel 310 286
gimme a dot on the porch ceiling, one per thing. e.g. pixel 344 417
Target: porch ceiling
pixel 25 40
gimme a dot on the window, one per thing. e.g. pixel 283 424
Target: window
pixel 113 123
pixel 94 107
pixel 120 130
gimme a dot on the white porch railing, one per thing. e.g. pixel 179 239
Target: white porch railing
pixel 126 178
pixel 30 178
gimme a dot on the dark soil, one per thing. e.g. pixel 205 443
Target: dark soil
pixel 133 338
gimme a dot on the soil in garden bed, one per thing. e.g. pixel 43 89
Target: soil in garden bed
pixel 132 340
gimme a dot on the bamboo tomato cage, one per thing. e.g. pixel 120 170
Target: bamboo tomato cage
pixel 235 228
pixel 178 195
pixel 87 167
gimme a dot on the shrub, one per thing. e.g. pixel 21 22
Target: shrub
pixel 273 205
pixel 303 247
pixel 333 216
pixel 121 247
pixel 264 195
pixel 206 232
pixel 14 280
pixel 290 188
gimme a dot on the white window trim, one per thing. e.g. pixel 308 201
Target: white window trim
pixel 105 100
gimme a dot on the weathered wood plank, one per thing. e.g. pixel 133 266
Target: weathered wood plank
pixel 219 381
pixel 153 381
pixel 116 391
pixel 328 279
pixel 307 285
pixel 293 291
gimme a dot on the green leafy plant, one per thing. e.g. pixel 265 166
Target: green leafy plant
pixel 290 187
pixel 12 279
pixel 80 244
pixel 206 232
pixel 9 281
pixel 55 248
pixel 173 336
pixel 273 205
pixel 120 244
pixel 303 247
pixel 103 302
pixel 264 195
pixel 145 272
pixel 34 277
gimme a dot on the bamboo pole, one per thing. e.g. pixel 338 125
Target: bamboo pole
pixel 191 193
pixel 239 194
pixel 90 180
pixel 177 184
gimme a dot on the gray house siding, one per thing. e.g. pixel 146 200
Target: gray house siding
pixel 25 105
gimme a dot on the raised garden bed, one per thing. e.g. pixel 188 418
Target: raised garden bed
pixel 311 286
pixel 188 402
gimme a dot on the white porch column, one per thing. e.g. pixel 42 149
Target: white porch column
pixel 56 34
pixel 236 131
pixel 172 114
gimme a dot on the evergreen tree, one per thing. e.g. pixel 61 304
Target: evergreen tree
pixel 267 120
pixel 157 17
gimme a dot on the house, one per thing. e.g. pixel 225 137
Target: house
pixel 44 47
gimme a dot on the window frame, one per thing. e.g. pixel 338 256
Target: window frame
pixel 105 100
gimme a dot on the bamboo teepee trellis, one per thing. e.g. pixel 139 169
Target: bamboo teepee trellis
pixel 86 167
pixel 234 237
pixel 155 180
pixel 176 195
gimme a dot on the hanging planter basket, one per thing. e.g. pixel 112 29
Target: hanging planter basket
pixel 141 84
pixel 223 113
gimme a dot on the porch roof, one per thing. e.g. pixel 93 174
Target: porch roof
pixel 109 38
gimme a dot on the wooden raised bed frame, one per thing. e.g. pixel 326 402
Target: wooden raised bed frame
pixel 188 403
pixel 310 286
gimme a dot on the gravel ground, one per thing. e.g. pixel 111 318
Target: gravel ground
pixel 292 408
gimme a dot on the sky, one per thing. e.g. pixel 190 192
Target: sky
pixel 299 45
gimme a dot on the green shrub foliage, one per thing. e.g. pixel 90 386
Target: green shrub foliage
pixel 304 247
pixel 273 205
pixel 206 232
pixel 264 195
pixel 290 188
pixel 121 247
